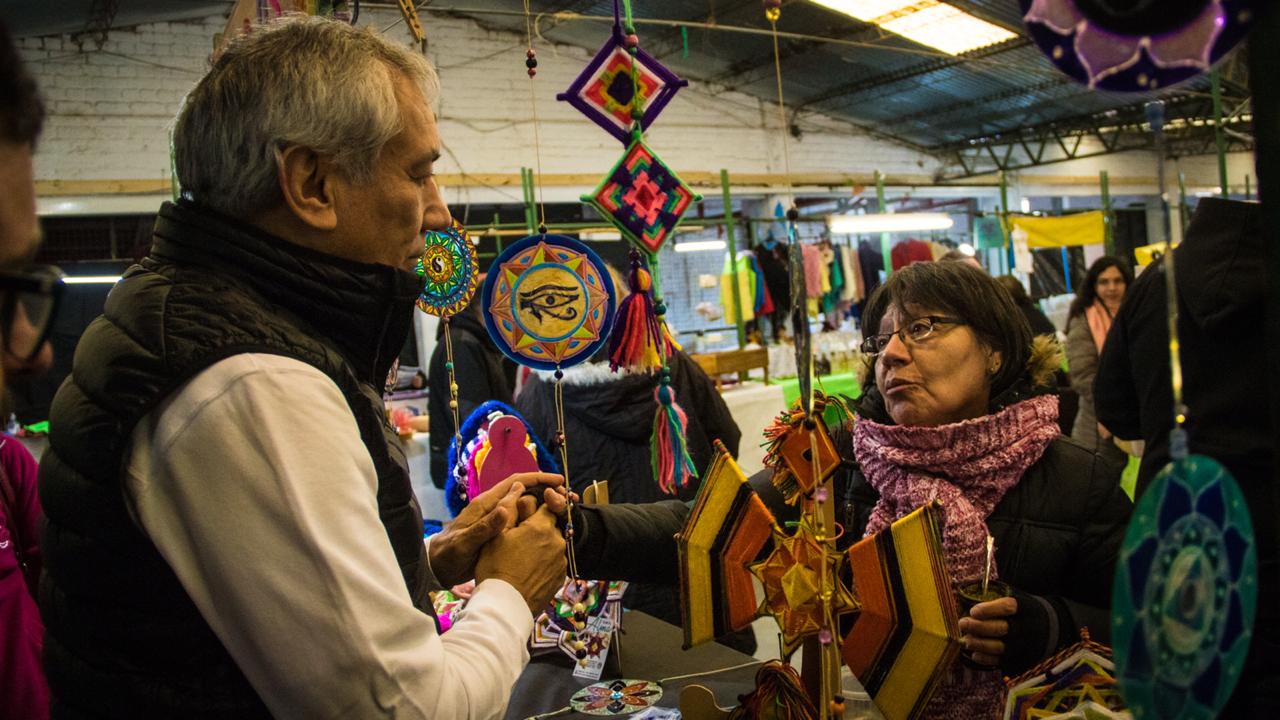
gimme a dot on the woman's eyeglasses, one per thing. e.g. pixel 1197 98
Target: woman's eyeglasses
pixel 28 302
pixel 917 330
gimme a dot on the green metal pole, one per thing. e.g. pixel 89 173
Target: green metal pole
pixel 1215 82
pixel 1183 211
pixel 530 206
pixel 1108 220
pixel 886 248
pixel 1004 220
pixel 732 242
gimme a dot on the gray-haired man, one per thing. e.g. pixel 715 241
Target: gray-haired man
pixel 231 529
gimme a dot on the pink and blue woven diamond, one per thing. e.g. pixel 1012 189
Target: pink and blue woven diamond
pixel 643 197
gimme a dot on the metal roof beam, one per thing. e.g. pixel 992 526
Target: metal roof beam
pixel 901 74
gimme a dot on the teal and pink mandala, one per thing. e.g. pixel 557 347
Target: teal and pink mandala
pixel 449 269
pixel 1185 593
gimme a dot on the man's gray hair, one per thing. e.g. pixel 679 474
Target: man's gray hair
pixel 317 83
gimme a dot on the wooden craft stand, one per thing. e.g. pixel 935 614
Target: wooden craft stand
pixel 733 361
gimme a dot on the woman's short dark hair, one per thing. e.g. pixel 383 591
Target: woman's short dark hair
pixel 966 293
pixel 1088 292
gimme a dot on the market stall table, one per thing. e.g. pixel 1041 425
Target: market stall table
pixel 650 651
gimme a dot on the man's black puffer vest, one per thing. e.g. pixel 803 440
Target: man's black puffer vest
pixel 123 638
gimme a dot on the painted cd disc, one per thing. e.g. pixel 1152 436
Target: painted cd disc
pixel 548 302
pixel 1139 45
pixel 450 271
pixel 616 697
pixel 1185 593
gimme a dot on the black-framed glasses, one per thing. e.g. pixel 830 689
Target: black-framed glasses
pixel 917 330
pixel 28 303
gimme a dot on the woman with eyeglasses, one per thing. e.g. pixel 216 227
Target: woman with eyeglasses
pixel 958 405
pixel 1088 322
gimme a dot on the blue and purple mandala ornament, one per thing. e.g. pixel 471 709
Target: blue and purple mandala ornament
pixel 1185 594
pixel 1136 45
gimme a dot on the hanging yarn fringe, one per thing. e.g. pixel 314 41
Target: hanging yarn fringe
pixel 778 694
pixel 640 339
pixel 669 449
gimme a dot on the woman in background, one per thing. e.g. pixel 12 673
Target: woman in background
pixel 1087 324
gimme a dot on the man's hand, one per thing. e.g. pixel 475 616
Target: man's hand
pixel 982 632
pixel 453 551
pixel 530 556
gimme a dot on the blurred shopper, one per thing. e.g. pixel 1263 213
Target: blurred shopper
pixel 1088 321
pixel 1039 322
pixel 1222 286
pixel 28 299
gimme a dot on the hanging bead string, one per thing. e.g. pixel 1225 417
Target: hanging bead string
pixel 531 63
pixel 773 11
pixel 1178 436
pixel 453 389
pixel 558 386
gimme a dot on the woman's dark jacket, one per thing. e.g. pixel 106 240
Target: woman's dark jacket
pixel 608 421
pixel 1057 535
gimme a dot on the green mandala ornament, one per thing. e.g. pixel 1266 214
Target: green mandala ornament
pixel 1185 593
pixel 449 267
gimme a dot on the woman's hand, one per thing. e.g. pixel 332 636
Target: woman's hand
pixel 984 630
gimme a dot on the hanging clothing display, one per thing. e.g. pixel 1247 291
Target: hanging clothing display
pixel 872 262
pixel 763 304
pixel 853 284
pixel 910 251
pixel 772 258
pixel 740 271
pixel 813 271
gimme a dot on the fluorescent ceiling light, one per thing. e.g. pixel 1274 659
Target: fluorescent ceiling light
pixel 91 279
pixel 928 22
pixel 901 222
pixel 700 246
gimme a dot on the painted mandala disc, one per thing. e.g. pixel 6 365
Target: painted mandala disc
pixel 548 302
pixel 450 271
pixel 1185 593
pixel 616 697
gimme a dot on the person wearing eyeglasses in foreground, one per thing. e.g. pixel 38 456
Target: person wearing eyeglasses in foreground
pixel 958 405
pixel 28 298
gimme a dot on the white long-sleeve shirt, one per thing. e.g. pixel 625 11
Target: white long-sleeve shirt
pixel 253 483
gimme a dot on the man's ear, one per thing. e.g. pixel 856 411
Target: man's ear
pixel 307 184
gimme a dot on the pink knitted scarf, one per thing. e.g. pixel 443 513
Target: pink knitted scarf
pixel 968 466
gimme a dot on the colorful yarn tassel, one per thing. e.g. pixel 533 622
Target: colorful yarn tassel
pixel 640 338
pixel 669 449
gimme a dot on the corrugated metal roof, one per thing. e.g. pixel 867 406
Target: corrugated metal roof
pixel 832 63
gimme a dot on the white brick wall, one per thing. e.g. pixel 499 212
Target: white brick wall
pixel 109 115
